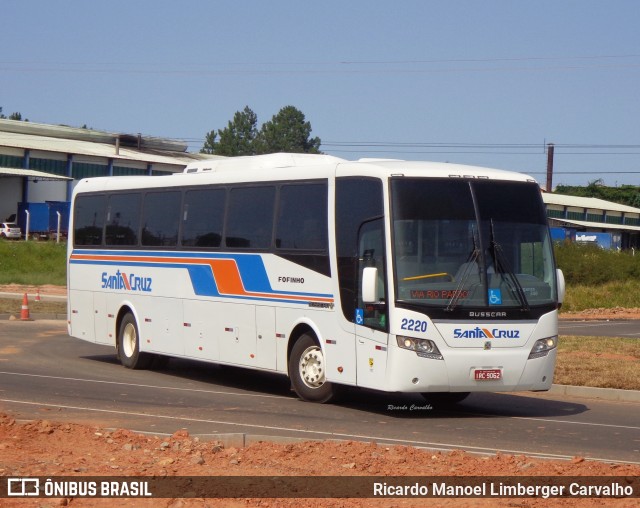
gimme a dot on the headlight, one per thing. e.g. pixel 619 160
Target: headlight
pixel 543 346
pixel 424 348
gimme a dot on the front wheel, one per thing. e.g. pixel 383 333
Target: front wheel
pixel 307 370
pixel 129 345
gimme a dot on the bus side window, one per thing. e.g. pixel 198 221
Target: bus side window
pixel 89 215
pixel 302 217
pixel 160 218
pixel 371 254
pixel 203 217
pixel 123 219
pixel 358 199
pixel 250 217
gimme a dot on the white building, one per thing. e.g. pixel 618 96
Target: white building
pixel 586 219
pixel 40 162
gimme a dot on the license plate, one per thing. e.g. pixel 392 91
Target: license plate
pixel 487 374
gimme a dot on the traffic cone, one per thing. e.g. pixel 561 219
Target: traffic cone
pixel 37 295
pixel 24 314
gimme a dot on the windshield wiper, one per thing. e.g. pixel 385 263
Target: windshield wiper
pixel 469 265
pixel 502 266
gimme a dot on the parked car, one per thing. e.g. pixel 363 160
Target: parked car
pixel 9 230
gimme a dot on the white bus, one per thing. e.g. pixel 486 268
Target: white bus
pixel 391 275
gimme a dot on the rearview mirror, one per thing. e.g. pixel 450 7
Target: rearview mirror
pixel 370 284
pixel 561 286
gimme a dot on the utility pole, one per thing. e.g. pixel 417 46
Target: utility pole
pixel 550 149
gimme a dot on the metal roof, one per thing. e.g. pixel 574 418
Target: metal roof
pixel 95 136
pixel 94 143
pixel 581 202
pixel 597 225
pixel 39 175
pixel 103 150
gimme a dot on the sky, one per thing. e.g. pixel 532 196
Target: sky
pixel 487 83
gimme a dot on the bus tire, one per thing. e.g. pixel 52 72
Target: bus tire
pixel 445 398
pixel 129 345
pixel 307 371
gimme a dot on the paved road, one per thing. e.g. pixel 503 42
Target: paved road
pixel 46 374
pixel 615 328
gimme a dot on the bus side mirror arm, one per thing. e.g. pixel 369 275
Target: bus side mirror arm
pixel 370 284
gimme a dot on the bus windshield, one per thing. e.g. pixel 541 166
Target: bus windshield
pixel 473 244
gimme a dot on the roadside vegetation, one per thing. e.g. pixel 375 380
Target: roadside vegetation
pixel 598 278
pixel 601 362
pixel 595 279
pixel 33 263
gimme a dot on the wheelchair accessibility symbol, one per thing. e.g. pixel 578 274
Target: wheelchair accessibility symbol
pixel 359 316
pixel 495 297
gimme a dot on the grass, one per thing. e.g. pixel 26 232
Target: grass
pixel 601 362
pixel 592 266
pixel 608 295
pixel 33 262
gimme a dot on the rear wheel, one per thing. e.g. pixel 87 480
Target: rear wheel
pixel 129 345
pixel 307 370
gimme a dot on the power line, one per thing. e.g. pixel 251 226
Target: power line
pixel 330 67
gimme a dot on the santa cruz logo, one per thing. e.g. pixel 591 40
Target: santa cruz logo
pixel 485 333
pixel 128 282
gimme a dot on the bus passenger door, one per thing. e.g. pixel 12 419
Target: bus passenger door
pixel 371 316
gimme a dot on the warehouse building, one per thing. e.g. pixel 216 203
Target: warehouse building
pixel 591 220
pixel 40 162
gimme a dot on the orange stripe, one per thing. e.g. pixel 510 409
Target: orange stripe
pixel 227 276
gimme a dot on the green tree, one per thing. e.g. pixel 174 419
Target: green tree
pixel 13 116
pixel 624 194
pixel 237 138
pixel 287 131
pixel 210 142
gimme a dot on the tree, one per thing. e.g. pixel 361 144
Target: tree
pixel 624 194
pixel 287 131
pixel 237 138
pixel 13 116
pixel 210 142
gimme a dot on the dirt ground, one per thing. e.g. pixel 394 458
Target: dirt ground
pixel 48 448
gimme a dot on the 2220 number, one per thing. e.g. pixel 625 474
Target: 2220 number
pixel 413 325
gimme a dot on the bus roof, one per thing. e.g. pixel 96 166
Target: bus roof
pixel 285 166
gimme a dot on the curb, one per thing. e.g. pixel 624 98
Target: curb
pixel 611 394
pixel 32 296
pixel 34 317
